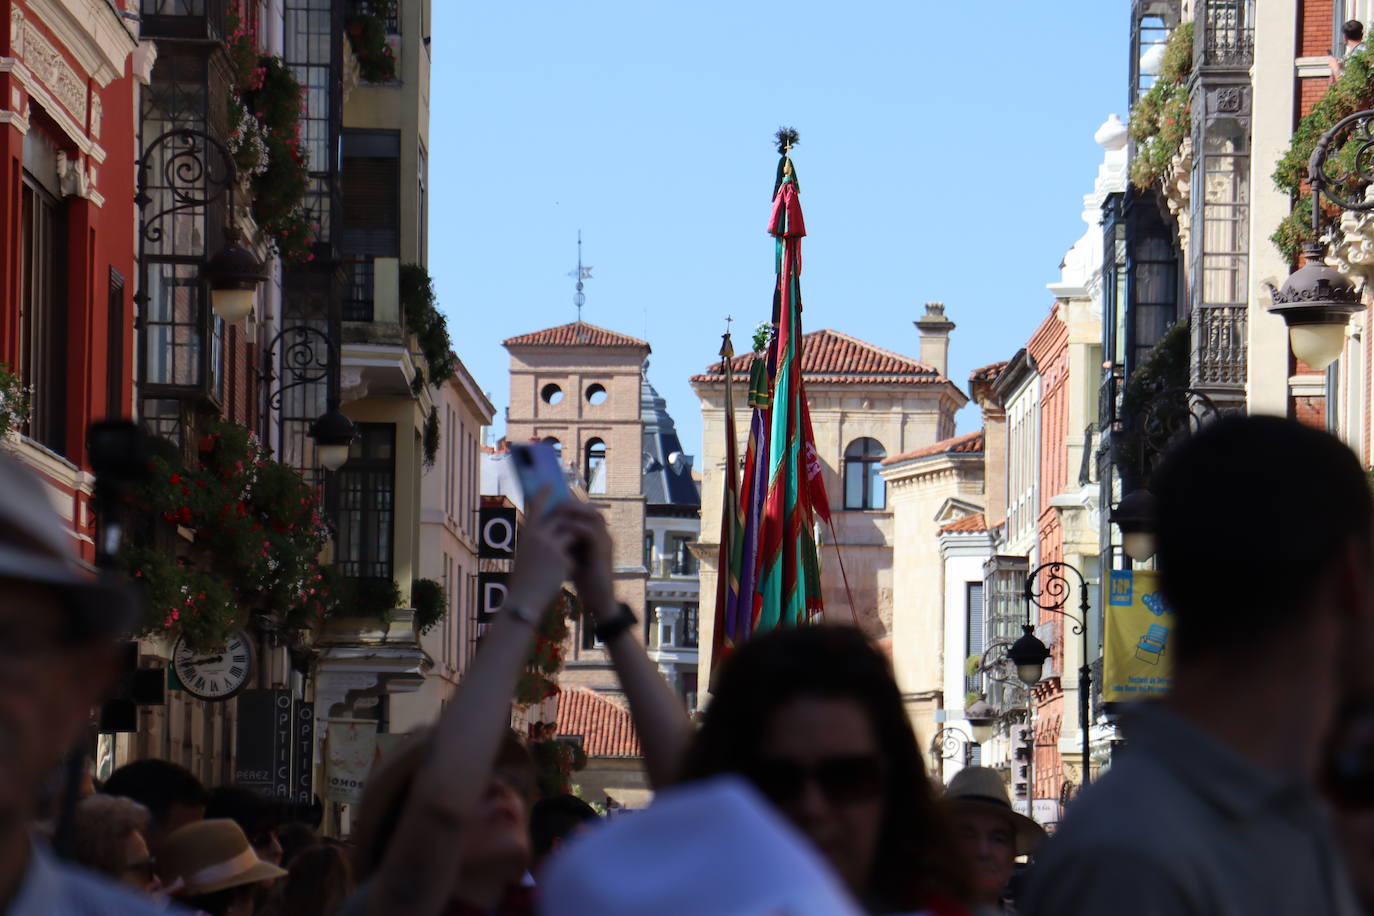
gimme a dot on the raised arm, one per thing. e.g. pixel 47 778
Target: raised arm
pixel 659 716
pixel 417 873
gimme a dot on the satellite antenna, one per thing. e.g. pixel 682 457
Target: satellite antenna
pixel 579 274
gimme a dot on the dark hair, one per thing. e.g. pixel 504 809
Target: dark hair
pixel 218 903
pixel 916 855
pixel 389 787
pixel 1353 30
pixel 556 818
pixel 293 838
pixel 251 810
pixel 1252 512
pixel 157 785
pixel 320 880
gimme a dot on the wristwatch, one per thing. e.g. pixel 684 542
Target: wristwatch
pixel 607 630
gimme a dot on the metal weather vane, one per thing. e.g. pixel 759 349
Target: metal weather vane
pixel 579 274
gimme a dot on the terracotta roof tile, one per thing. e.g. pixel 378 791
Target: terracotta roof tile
pixel 576 334
pixel 605 726
pixel 832 358
pixel 968 443
pixel 987 373
pixel 967 525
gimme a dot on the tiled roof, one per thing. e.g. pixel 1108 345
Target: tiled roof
pixel 968 443
pixel 829 357
pixel 967 525
pixel 605 726
pixel 987 373
pixel 576 334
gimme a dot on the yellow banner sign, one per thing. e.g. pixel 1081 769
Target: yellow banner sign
pixel 1137 654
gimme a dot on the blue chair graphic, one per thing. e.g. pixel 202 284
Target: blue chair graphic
pixel 1151 646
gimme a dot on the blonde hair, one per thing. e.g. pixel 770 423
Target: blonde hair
pixel 103 824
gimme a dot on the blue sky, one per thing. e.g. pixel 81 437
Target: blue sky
pixel 945 148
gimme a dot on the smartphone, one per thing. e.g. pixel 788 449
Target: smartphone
pixel 538 468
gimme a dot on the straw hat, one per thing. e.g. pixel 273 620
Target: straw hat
pixel 212 855
pixel 981 789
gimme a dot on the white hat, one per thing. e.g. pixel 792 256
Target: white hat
pixel 708 847
pixel 34 547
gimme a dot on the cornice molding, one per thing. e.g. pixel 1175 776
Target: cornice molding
pixel 91 31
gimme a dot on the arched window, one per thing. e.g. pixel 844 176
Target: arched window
pixel 864 487
pixel 595 469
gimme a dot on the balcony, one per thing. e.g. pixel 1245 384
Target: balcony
pixel 1227 36
pixel 675 567
pixel 1219 366
pixel 378 359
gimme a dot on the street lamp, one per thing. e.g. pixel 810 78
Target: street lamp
pixel 980 717
pixel 1029 653
pixel 197 171
pixel 1159 426
pixel 951 742
pixel 1317 301
pixel 303 364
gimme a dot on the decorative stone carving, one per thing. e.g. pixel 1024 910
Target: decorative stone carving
pixel 1352 247
pixel 71 175
pixel 97 115
pixel 17 31
pixel 145 55
pixel 52 70
pixel 1177 183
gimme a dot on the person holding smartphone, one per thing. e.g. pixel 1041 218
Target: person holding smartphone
pixel 430 836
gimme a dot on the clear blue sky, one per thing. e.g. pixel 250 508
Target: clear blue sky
pixel 945 148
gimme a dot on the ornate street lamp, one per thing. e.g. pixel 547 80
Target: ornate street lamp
pixel 197 171
pixel 1029 654
pixel 953 743
pixel 980 717
pixel 1317 301
pixel 1135 515
pixel 304 364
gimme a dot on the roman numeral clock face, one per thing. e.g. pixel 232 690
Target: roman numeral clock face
pixel 216 675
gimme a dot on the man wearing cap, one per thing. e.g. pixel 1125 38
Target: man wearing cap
pixel 990 834
pixel 58 657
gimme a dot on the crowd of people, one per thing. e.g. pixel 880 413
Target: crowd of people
pixel 1248 789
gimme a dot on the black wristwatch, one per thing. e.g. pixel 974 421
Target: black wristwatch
pixel 607 630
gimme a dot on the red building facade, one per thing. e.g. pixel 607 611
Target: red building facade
pixel 68 231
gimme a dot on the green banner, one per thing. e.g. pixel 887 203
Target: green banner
pixel 1137 655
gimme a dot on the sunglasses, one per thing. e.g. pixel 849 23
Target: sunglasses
pixel 842 780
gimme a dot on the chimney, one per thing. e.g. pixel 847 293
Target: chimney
pixel 935 328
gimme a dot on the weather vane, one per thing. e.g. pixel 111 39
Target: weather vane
pixel 579 274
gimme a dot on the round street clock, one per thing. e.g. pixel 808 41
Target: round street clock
pixel 216 675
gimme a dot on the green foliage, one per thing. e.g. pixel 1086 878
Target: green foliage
pixel 763 334
pixel 14 400
pixel 430 602
pixel 1166 366
pixel 258 535
pixel 1352 92
pixel 264 111
pixel 1161 118
pixel 971 665
pixel 430 440
pixel 366 27
pixel 539 680
pixel 427 323
pixel 555 761
pixel 355 596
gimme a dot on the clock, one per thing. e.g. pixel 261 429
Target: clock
pixel 216 675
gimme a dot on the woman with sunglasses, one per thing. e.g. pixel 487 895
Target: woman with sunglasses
pixel 814 719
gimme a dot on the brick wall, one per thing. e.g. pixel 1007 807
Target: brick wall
pixel 1315 27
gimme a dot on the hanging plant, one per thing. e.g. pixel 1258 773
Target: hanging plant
pixel 430 439
pixel 366 27
pixel 259 528
pixel 538 682
pixel 430 602
pixel 1161 119
pixel 427 323
pixel 1166 366
pixel 265 108
pixel 555 761
pixel 1352 92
